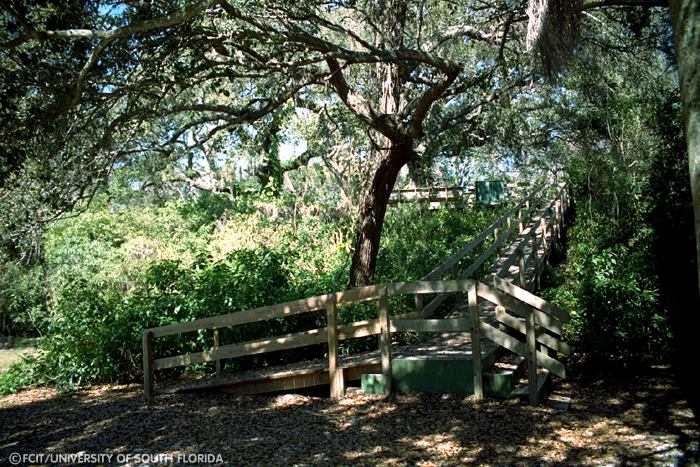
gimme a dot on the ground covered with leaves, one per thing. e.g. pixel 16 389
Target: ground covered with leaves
pixel 613 419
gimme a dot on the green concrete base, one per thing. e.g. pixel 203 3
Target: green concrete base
pixel 498 385
pixel 425 374
pixel 372 383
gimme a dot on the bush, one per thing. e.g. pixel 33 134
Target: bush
pixel 95 335
pixel 19 376
pixel 416 240
pixel 112 273
pixel 611 291
pixel 23 305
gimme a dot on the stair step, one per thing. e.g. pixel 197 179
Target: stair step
pixel 543 387
pixel 559 402
pixel 503 376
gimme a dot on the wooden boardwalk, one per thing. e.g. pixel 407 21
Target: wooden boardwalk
pixel 516 246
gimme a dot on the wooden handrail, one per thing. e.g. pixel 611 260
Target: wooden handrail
pixel 452 263
pixel 447 265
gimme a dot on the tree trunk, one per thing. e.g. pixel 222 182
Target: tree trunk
pixel 372 212
pixel 398 153
pixel 685 16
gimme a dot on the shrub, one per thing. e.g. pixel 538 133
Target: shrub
pixel 611 291
pixel 23 305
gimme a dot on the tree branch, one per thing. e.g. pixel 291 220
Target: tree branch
pixel 358 104
pixel 421 106
pixel 108 36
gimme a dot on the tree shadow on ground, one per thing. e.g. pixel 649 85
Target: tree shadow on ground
pixel 614 418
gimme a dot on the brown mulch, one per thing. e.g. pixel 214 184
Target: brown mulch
pixel 616 419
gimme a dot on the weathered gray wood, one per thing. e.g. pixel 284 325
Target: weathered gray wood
pixel 531 299
pixel 514 345
pixel 419 303
pixel 433 305
pixel 385 338
pixel 358 329
pixel 521 268
pixel 520 222
pixel 430 194
pixel 473 300
pixel 288 341
pixel 535 268
pixel 545 339
pixel 543 228
pixel 217 344
pixel 356 295
pixel 431 325
pixel 503 339
pixel 335 375
pixel 148 366
pixel 269 312
pixel 248 316
pixel 520 308
pixel 467 273
pixel 440 270
pixel 478 262
pixel 428 287
pixel 512 260
pixel 531 358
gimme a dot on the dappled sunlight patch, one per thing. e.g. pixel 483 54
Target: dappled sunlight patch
pixel 286 401
pixel 438 446
pixel 28 397
pixel 107 393
pixel 605 425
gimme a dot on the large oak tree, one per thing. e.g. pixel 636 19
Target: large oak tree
pixel 149 77
pixel 109 81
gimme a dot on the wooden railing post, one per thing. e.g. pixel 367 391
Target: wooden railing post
pixel 335 374
pixel 564 204
pixel 543 227
pixel 535 266
pixel 419 303
pixel 147 342
pixel 521 267
pixel 476 341
pixel 531 358
pixel 385 338
pixel 521 227
pixel 217 343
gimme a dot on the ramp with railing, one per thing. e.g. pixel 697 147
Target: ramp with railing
pixel 499 316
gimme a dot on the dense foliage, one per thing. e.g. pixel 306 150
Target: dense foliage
pixel 112 272
pixel 623 279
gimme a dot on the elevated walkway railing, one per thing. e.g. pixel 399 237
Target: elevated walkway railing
pixel 529 218
pixel 446 194
pixel 542 325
